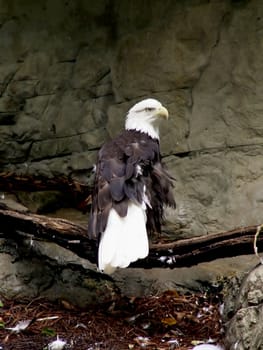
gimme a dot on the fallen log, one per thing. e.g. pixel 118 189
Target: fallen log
pixel 187 252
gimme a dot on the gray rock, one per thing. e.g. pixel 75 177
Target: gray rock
pixel 10 201
pixel 41 201
pixel 7 71
pixel 243 329
pixel 60 278
pixel 22 89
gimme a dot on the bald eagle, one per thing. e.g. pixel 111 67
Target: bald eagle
pixel 130 190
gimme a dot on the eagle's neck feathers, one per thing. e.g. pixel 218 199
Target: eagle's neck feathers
pixel 142 125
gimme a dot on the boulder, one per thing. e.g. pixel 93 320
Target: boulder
pixel 244 312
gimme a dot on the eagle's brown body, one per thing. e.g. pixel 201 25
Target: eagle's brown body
pixel 124 166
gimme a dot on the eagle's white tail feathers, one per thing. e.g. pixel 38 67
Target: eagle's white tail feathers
pixel 125 239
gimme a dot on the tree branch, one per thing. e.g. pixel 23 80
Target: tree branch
pixel 16 225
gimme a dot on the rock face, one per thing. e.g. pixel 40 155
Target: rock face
pixel 69 71
pixel 38 269
pixel 244 328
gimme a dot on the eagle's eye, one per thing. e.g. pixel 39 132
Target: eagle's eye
pixel 149 109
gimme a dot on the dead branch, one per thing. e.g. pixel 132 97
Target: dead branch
pixel 17 225
pixel 75 192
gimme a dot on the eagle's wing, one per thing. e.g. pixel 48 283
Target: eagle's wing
pixel 129 169
pixel 160 194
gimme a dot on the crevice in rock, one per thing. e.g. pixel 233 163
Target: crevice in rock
pixel 196 152
pixel 73 60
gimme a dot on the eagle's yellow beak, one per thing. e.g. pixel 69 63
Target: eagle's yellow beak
pixel 162 112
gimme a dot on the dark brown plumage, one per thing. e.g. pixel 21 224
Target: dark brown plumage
pixel 124 166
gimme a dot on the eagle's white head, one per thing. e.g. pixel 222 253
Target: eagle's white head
pixel 145 116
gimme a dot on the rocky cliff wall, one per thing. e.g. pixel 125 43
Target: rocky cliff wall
pixel 69 71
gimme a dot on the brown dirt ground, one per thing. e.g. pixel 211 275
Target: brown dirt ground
pixel 165 321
